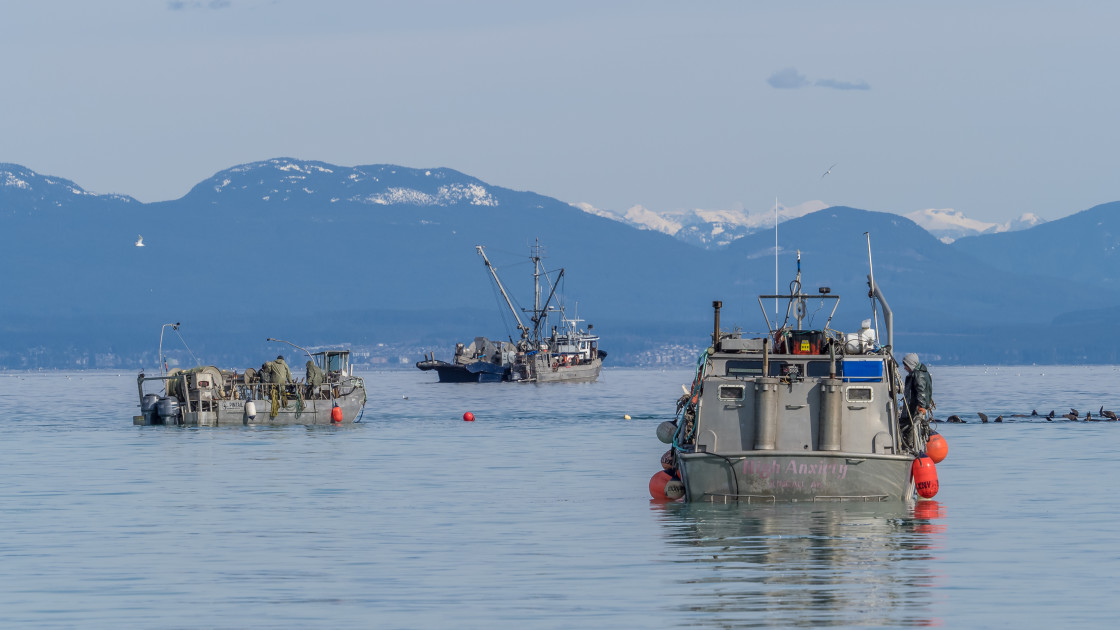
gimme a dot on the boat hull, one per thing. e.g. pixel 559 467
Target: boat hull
pixel 756 476
pixel 582 373
pixel 232 413
pixel 476 372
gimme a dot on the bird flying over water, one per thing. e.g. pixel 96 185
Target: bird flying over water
pixel 140 240
pixel 829 170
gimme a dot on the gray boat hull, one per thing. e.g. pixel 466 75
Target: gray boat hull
pixel 757 476
pixel 581 373
pixel 232 413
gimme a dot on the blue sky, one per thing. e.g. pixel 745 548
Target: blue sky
pixel 993 110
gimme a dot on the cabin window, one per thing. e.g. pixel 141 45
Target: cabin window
pixel 731 392
pixel 858 394
pixel 743 368
pixel 819 369
pixel 787 369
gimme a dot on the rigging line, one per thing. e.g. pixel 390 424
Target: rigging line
pixel 814 315
pixel 506 323
pixel 196 361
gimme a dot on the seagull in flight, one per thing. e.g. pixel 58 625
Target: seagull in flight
pixel 829 170
pixel 140 240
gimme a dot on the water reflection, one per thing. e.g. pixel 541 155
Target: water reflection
pixel 805 564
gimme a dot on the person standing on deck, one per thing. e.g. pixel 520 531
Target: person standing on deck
pixel 281 374
pixel 314 378
pixel 918 391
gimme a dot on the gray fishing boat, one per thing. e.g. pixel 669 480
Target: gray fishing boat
pixel 544 353
pixel 796 415
pixel 208 396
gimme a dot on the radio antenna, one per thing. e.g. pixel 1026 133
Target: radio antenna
pixel 775 256
pixel 871 275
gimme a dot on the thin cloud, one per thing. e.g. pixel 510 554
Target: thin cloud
pixel 182 5
pixel 842 85
pixel 791 79
pixel 787 79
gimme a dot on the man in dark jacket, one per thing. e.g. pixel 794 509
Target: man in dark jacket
pixel 918 390
pixel 919 386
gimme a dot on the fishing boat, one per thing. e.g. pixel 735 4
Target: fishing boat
pixel 483 361
pixel 796 415
pixel 544 353
pixel 208 396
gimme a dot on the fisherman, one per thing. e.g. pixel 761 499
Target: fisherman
pixel 918 391
pixel 266 372
pixel 314 378
pixel 281 375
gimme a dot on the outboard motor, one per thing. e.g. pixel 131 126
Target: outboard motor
pixel 148 402
pixel 148 406
pixel 168 410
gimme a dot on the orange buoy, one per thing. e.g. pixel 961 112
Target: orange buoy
pixel 925 476
pixel 336 414
pixel 937 448
pixel 468 417
pixel 657 485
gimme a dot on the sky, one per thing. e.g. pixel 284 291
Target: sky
pixel 993 109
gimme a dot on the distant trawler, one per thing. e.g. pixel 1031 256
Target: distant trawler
pixel 567 353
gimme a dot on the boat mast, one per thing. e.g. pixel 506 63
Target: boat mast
pixel 871 278
pixel 536 256
pixel 540 311
pixel 494 272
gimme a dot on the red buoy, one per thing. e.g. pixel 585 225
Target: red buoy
pixel 937 448
pixel 468 417
pixel 657 485
pixel 925 476
pixel 336 414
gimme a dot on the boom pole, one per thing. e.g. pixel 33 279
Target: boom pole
pixel 494 272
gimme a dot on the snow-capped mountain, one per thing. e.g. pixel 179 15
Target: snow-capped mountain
pixel 717 228
pixel 706 228
pixel 289 180
pixel 21 186
pixel 948 225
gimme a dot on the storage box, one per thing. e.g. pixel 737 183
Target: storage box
pixel 805 341
pixel 863 370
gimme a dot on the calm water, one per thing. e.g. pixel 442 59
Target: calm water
pixel 536 515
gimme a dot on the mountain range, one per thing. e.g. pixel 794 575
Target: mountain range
pixel 383 257
pixel 718 228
